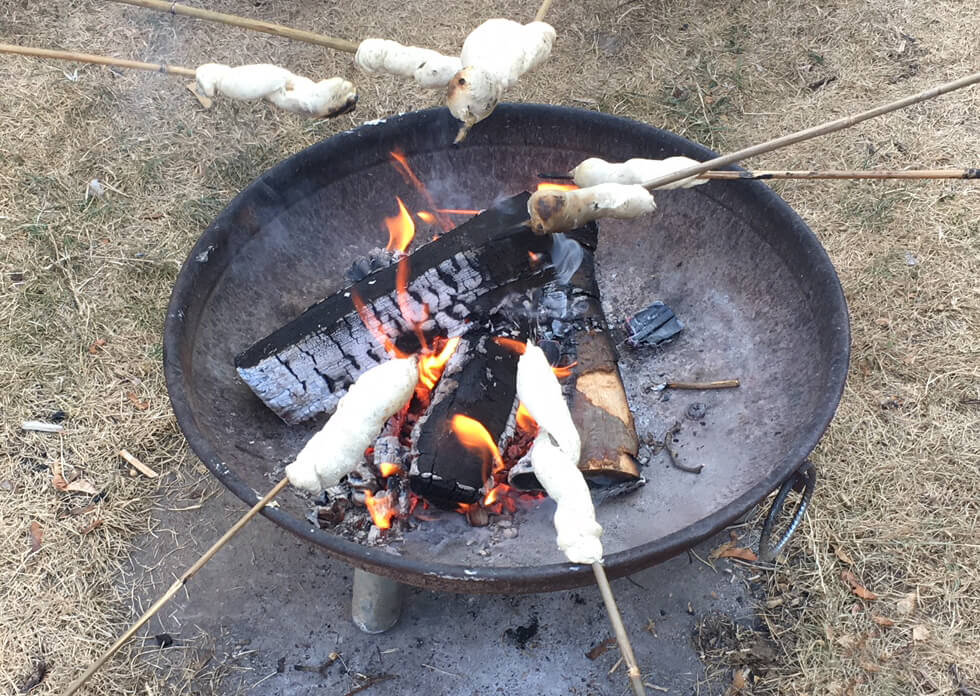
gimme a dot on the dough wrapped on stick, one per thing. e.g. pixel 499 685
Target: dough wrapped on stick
pixel 554 458
pixel 339 446
pixel 594 171
pixel 562 211
pixel 294 93
pixel 430 69
pixel 494 57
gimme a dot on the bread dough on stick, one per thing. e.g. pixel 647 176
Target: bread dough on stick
pixel 494 56
pixel 594 171
pixel 339 446
pixel 554 458
pixel 430 69
pixel 562 211
pixel 286 90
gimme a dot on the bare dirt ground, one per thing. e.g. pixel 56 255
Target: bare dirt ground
pixel 84 285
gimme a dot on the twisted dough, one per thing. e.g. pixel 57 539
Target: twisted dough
pixel 595 171
pixel 430 69
pixel 335 450
pixel 294 93
pixel 562 211
pixel 554 458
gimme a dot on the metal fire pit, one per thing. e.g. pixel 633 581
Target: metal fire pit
pixel 759 298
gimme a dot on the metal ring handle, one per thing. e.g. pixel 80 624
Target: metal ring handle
pixel 803 479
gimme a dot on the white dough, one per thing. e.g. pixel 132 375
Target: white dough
pixel 291 92
pixel 540 392
pixel 554 458
pixel 595 171
pixel 336 449
pixel 430 69
pixel 494 56
pixel 561 211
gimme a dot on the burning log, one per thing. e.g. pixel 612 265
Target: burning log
pixel 478 384
pixel 305 367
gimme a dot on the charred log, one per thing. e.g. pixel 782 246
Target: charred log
pixel 305 367
pixel 479 382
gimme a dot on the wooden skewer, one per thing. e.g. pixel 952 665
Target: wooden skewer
pixel 92 58
pixel 970 173
pixel 636 678
pixel 246 23
pixel 176 587
pixel 542 11
pixel 807 133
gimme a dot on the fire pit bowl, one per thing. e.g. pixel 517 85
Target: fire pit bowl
pixel 757 293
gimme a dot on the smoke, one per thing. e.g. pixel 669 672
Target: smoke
pixel 566 257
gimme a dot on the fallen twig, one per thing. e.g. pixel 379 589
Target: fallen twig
pixel 371 682
pixel 137 464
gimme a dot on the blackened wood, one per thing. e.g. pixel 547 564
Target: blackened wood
pixel 305 367
pixel 480 382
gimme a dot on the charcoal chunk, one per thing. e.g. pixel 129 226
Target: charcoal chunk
pixel 652 326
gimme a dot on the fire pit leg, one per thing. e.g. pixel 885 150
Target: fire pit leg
pixel 377 602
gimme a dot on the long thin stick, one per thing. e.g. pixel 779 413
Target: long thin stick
pixel 92 58
pixel 176 587
pixel 636 678
pixel 971 173
pixel 807 133
pixel 542 11
pixel 246 23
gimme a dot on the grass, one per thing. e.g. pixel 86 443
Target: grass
pixel 900 467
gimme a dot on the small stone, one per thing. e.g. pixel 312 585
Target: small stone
pixel 697 410
pixel 504 524
pixel 510 533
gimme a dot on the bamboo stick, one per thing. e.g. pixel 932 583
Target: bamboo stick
pixel 807 133
pixel 246 23
pixel 636 678
pixel 92 58
pixel 176 587
pixel 542 11
pixel 970 173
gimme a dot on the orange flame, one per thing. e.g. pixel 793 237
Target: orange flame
pixel 389 469
pixel 551 186
pixel 432 366
pixel 380 508
pixel 458 211
pixel 400 162
pixel 474 436
pixel 564 371
pixel 426 216
pixel 515 346
pixel 535 258
pixel 525 421
pixel 401 228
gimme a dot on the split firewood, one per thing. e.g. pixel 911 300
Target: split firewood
pixel 337 448
pixel 494 56
pixel 294 93
pixel 430 69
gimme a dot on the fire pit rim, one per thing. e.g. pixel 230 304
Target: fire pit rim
pixel 458 578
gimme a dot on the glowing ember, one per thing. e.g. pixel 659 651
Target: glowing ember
pixel 389 469
pixel 401 228
pixel 564 371
pixel 400 162
pixel 551 186
pixel 432 366
pixel 474 436
pixel 426 216
pixel 380 508
pixel 535 258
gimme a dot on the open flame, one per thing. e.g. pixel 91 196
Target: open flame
pixel 426 216
pixel 561 371
pixel 400 163
pixel 401 228
pixel 389 469
pixel 381 509
pixel 552 186
pixel 525 421
pixel 474 436
pixel 432 366
pixel 458 211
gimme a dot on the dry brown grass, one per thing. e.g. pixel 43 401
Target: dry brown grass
pixel 899 468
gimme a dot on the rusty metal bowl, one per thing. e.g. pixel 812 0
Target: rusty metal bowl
pixel 759 297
